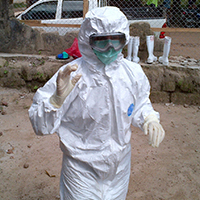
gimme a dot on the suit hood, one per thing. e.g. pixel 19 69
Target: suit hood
pixel 101 20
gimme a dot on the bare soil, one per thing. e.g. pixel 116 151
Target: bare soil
pixel 186 44
pixel 30 165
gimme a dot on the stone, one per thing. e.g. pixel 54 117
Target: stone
pixel 169 86
pixel 155 75
pixel 186 84
pixel 184 98
pixel 2 62
pixel 159 97
pixel 26 166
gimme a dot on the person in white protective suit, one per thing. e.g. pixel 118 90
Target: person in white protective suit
pixel 91 104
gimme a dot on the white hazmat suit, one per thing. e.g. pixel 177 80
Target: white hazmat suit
pixel 93 123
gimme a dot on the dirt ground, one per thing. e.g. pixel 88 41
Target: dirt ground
pixel 30 165
pixel 186 44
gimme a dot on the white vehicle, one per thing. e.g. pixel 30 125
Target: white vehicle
pixel 52 12
pixel 56 12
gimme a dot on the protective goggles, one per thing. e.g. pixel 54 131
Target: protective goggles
pixel 104 41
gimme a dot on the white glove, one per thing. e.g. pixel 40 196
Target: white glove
pixel 64 85
pixel 155 130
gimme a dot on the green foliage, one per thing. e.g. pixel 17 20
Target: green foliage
pixel 186 85
pixel 180 82
pixel 40 75
pixel 42 62
pixel 35 87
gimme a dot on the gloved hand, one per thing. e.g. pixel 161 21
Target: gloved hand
pixel 64 85
pixel 155 130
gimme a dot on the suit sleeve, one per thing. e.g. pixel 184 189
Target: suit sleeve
pixel 44 118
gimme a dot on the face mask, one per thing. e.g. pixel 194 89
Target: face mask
pixel 108 56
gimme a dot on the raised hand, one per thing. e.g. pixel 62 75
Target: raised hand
pixel 64 85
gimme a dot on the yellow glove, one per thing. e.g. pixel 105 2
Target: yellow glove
pixel 154 129
pixel 64 85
